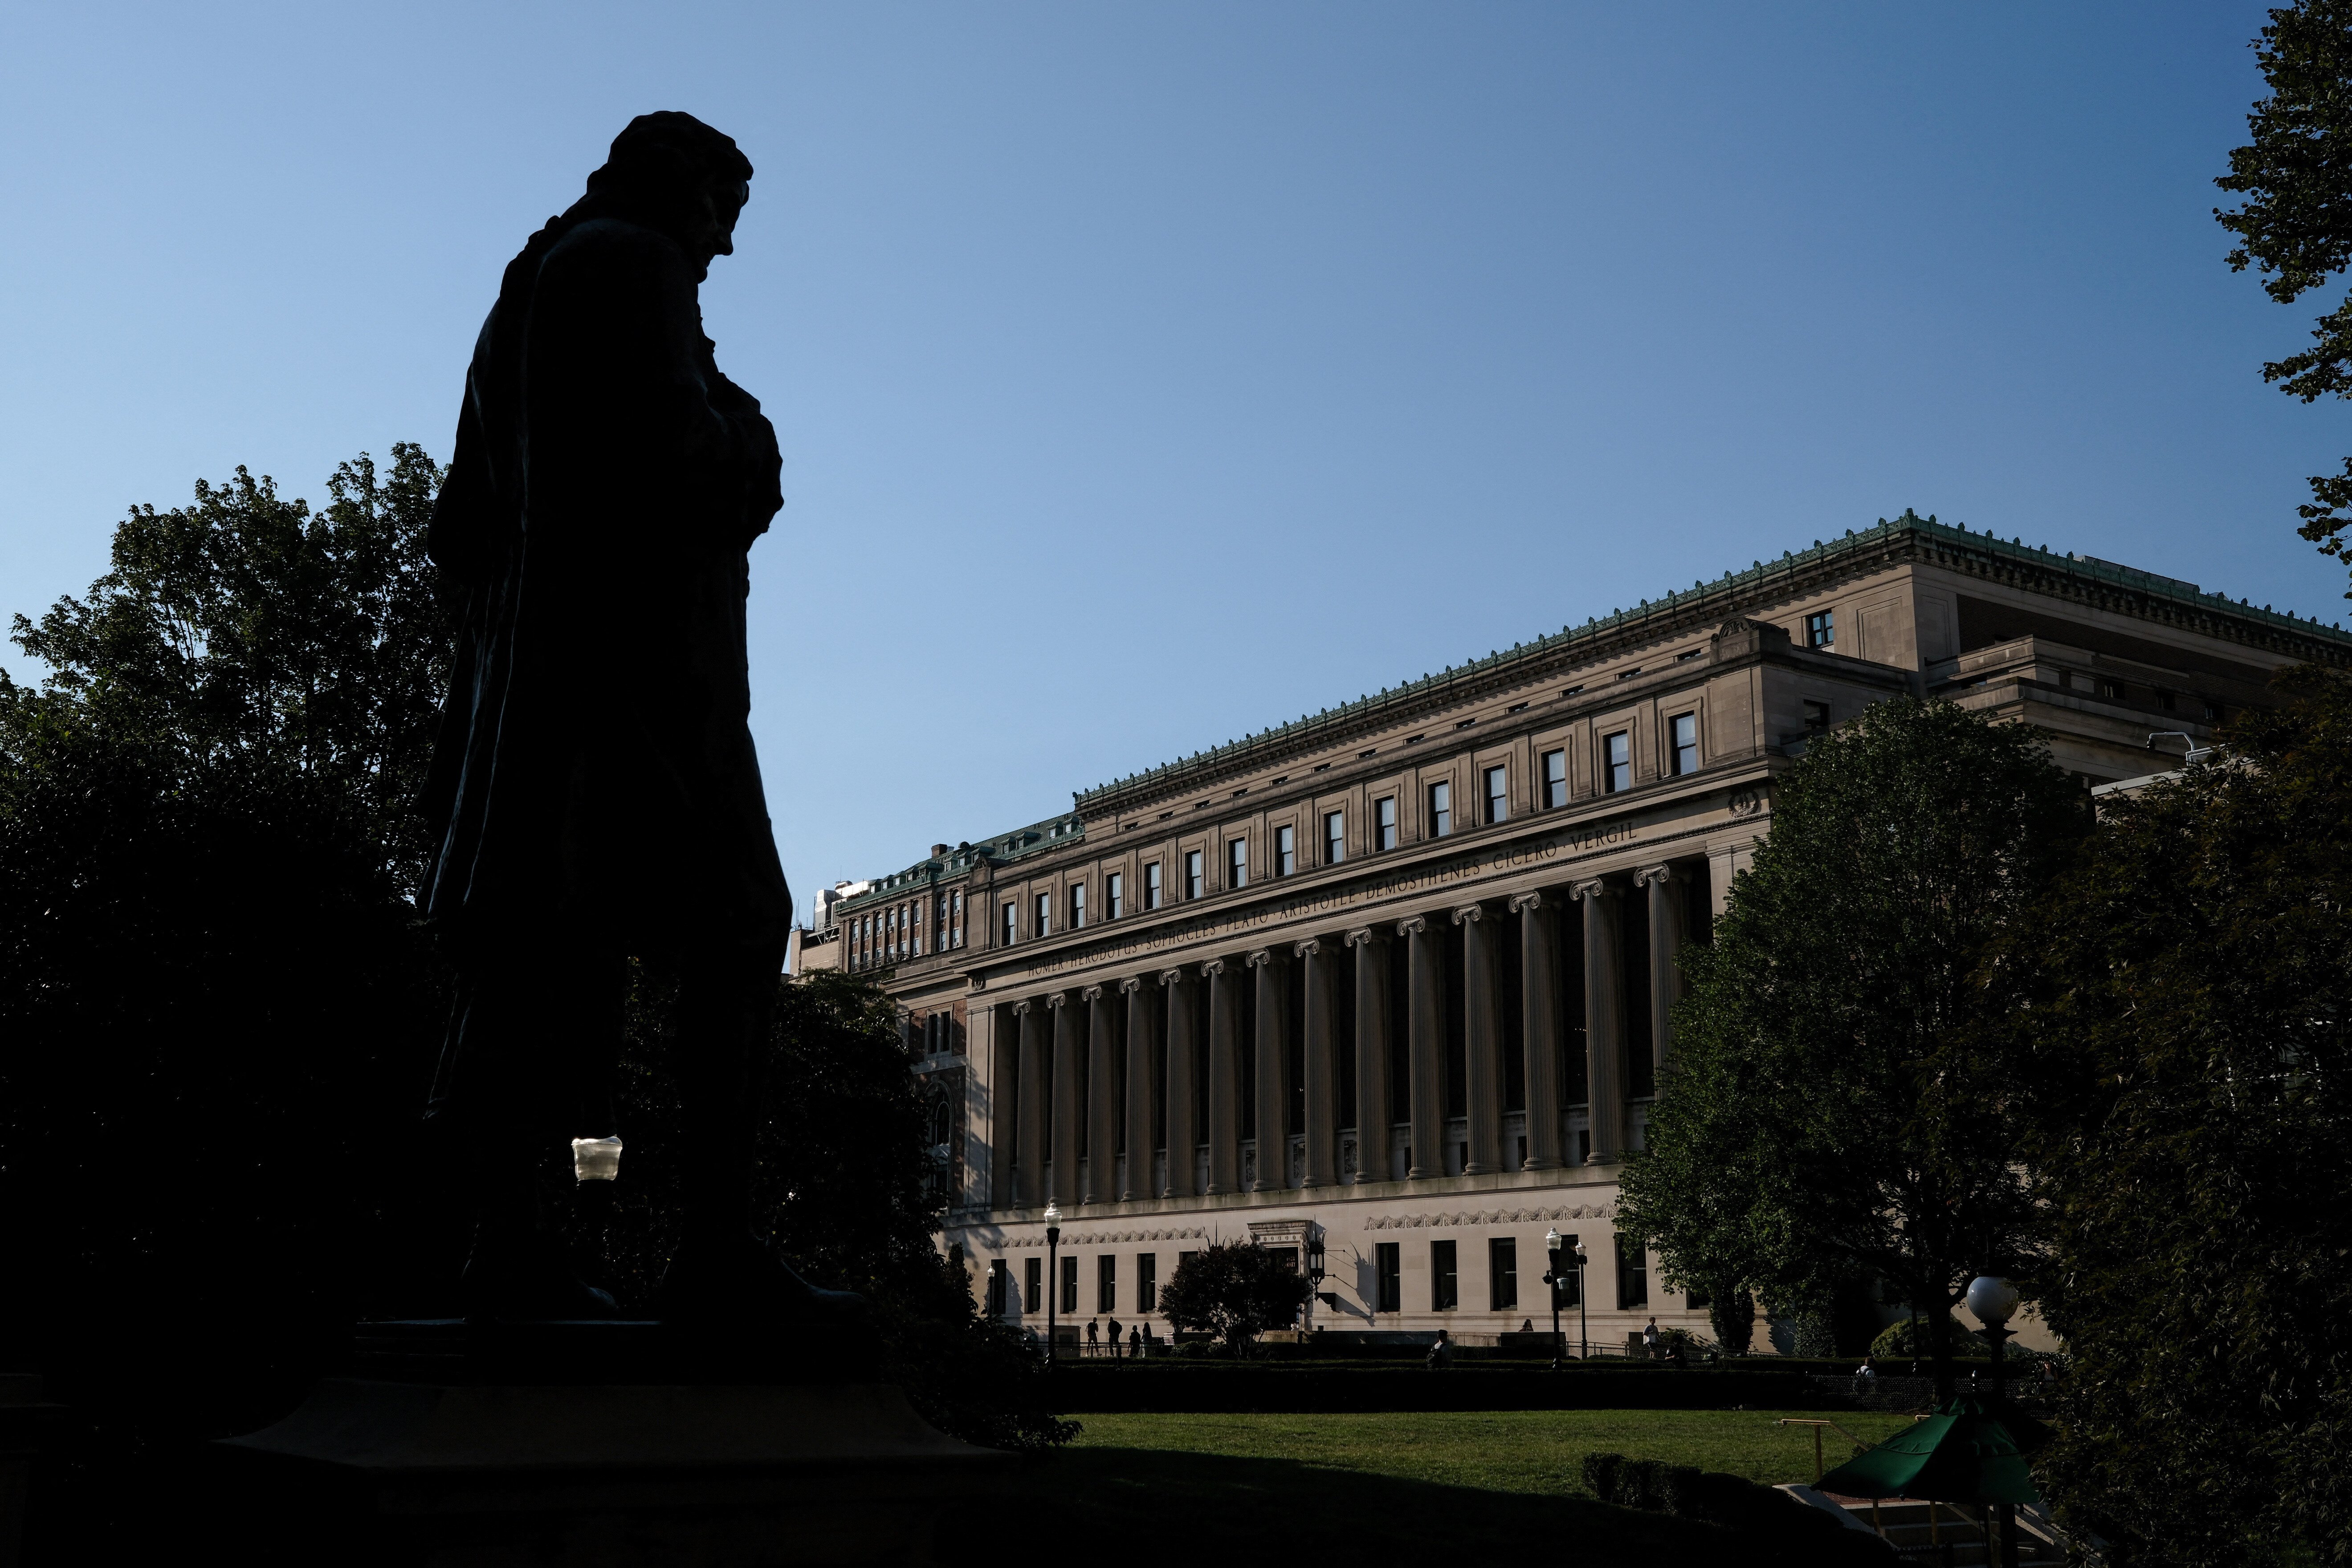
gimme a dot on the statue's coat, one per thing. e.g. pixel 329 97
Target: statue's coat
pixel 595 776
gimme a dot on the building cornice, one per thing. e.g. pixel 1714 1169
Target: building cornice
pixel 1906 541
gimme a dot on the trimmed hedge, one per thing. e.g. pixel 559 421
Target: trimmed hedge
pixel 1202 1387
pixel 1781 1529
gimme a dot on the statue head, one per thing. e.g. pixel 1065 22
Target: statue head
pixel 672 173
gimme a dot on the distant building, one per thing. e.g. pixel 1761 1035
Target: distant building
pixel 1397 975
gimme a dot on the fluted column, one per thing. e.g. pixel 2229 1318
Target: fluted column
pixel 1321 1067
pixel 1102 1100
pixel 1667 935
pixel 1424 1048
pixel 1482 1043
pixel 1063 1187
pixel 1031 1087
pixel 1142 1089
pixel 1225 1076
pixel 1539 1006
pixel 1373 1116
pixel 1604 1021
pixel 1272 970
pixel 1004 1103
pixel 1184 997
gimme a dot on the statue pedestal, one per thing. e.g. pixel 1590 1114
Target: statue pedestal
pixel 538 1473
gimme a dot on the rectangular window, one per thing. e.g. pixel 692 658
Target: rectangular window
pixel 997 1284
pixel 1237 862
pixel 1077 907
pixel 1152 885
pixel 1633 1274
pixel 1817 718
pixel 1619 761
pixel 1821 629
pixel 1684 728
pixel 1445 1293
pixel 955 916
pixel 1195 881
pixel 1441 809
pixel 1114 895
pixel 1499 794
pixel 1555 764
pixel 1107 1282
pixel 1147 1281
pixel 2113 690
pixel 1033 1280
pixel 1045 926
pixel 1285 852
pixel 1335 838
pixel 1012 924
pixel 1388 1277
pixel 1069 1284
pixel 1384 822
pixel 1571 1277
pixel 1502 1273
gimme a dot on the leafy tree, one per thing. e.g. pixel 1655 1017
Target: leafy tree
pixel 218 1016
pixel 2295 227
pixel 1823 1122
pixel 1235 1291
pixel 2184 1039
pixel 843 1156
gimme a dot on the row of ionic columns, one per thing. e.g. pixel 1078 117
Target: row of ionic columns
pixel 1141 1032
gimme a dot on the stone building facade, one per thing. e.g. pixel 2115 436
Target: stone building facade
pixel 1397 977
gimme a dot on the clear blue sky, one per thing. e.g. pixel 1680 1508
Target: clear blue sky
pixel 1146 373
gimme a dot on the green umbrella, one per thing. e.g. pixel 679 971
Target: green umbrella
pixel 1972 1450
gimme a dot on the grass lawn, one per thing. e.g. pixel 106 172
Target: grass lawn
pixel 1170 1487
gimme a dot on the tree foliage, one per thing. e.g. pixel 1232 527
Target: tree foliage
pixel 841 1181
pixel 217 1014
pixel 2184 1042
pixel 2295 225
pixel 1825 1120
pixel 1235 1291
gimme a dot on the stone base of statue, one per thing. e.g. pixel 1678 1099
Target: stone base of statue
pixel 610 1444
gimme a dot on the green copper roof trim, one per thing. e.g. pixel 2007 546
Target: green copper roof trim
pixel 1055 832
pixel 1679 606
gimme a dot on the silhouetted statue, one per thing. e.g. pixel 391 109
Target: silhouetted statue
pixel 595 780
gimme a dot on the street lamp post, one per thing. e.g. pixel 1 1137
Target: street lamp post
pixel 1992 1300
pixel 1053 1273
pixel 1552 1278
pixel 1583 1305
pixel 1314 1270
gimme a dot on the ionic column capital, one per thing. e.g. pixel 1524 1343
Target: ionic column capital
pixel 1310 948
pixel 1130 985
pixel 1662 872
pixel 1171 978
pixel 1413 925
pixel 1592 889
pixel 1092 994
pixel 1021 1008
pixel 1466 915
pixel 1521 903
pixel 1263 955
pixel 1057 998
pixel 1212 966
pixel 1363 936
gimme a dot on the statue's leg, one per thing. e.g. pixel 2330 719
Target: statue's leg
pixel 726 1003
pixel 510 1084
pixel 724 1275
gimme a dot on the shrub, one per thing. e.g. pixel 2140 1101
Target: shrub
pixel 1784 1530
